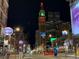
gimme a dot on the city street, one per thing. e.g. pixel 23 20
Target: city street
pixel 42 57
pixel 39 29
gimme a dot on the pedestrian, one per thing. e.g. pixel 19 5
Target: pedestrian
pixel 8 54
pixel 20 52
pixel 55 50
pixel 28 49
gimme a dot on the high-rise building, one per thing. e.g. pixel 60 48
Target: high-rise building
pixel 53 16
pixel 3 13
pixel 54 24
pixel 53 20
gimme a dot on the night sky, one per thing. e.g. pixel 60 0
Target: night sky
pixel 25 13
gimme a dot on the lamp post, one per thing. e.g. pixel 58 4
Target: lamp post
pixel 17 32
pixel 50 35
pixel 17 29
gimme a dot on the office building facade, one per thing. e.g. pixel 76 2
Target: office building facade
pixel 3 14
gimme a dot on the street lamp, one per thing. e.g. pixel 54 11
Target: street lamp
pixel 65 32
pixel 17 29
pixel 21 42
pixel 50 35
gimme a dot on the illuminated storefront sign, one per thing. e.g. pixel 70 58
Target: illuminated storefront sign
pixel 75 18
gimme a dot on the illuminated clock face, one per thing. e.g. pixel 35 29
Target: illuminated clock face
pixel 42 14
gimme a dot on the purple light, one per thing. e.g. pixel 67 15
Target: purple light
pixel 7 31
pixel 20 42
pixel 75 18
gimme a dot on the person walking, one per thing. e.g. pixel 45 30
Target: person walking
pixel 20 52
pixel 55 50
pixel 28 49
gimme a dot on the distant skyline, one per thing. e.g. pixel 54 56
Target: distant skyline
pixel 25 13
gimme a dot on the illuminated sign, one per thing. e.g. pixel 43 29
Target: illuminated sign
pixel 75 18
pixel 7 31
pixel 52 39
pixel 42 34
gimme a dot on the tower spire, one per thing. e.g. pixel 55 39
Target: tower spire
pixel 42 5
pixel 42 11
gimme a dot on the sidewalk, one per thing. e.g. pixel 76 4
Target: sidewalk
pixel 13 56
pixel 63 55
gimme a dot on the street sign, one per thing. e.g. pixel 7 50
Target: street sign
pixel 8 31
pixel 42 34
pixel 53 39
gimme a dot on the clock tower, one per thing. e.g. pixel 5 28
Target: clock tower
pixel 42 18
pixel 41 23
